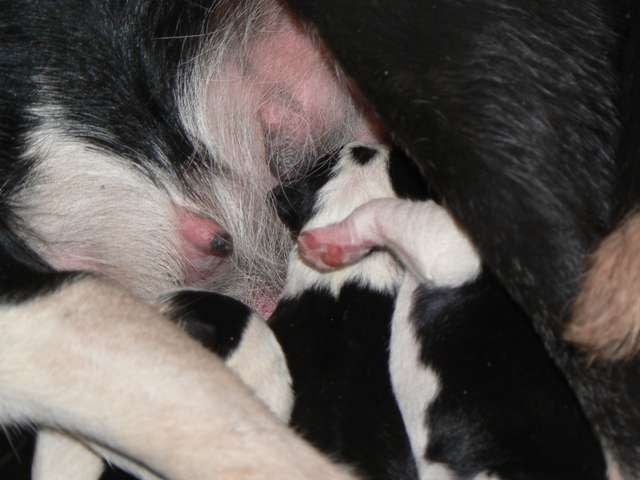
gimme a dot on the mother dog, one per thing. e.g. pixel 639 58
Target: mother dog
pixel 138 140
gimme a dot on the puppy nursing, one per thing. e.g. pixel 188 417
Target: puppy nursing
pixel 140 144
pixel 479 396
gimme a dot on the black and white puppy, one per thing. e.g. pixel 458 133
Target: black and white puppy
pixel 510 108
pixel 335 327
pixel 479 395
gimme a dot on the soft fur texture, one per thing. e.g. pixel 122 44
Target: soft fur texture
pixel 186 111
pixel 606 315
pixel 138 142
pixel 509 107
pixel 478 393
pixel 334 327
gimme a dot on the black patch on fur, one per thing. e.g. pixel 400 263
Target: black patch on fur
pixel 295 201
pixel 337 352
pixel 406 179
pixel 362 155
pixel 504 407
pixel 215 320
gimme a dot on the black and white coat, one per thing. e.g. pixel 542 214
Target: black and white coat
pixel 479 395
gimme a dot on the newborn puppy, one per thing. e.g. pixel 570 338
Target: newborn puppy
pixel 334 327
pixel 479 395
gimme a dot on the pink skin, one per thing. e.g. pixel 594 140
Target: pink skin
pixel 337 245
pixel 304 97
pixel 292 87
pixel 201 252
pixel 202 258
pixel 304 87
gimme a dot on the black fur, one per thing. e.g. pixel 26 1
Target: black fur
pixel 504 407
pixel 215 320
pixel 509 108
pixel 111 68
pixel 337 353
pixel 295 201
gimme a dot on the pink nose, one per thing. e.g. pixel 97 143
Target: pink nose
pixel 203 235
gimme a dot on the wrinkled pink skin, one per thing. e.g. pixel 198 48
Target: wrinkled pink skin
pixel 329 248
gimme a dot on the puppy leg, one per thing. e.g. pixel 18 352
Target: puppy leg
pixel 92 360
pixel 404 227
pixel 224 326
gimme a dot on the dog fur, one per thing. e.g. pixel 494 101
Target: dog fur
pixel 512 112
pixel 479 395
pixel 138 139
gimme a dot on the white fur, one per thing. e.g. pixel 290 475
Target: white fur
pixel 223 94
pixel 69 362
pixel 428 243
pixel 351 186
pixel 60 457
pixel 87 210
pixel 415 386
pixel 260 363
pixel 422 235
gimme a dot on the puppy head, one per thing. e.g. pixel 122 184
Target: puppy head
pixel 340 183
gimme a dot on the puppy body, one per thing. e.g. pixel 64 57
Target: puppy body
pixel 223 326
pixel 511 112
pixel 334 327
pixel 479 395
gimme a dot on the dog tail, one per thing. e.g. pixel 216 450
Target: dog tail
pixel 606 315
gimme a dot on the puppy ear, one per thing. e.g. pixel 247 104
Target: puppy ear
pixel 293 203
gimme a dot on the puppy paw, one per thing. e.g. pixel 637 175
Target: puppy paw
pixel 332 247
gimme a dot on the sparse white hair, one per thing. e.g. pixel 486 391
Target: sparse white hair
pixel 84 208
pixel 219 102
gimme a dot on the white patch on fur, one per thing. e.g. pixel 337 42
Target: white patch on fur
pixel 70 363
pixel 59 456
pixel 220 101
pixel 351 186
pixel 429 243
pixel 260 363
pixel 83 209
pixel 415 386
